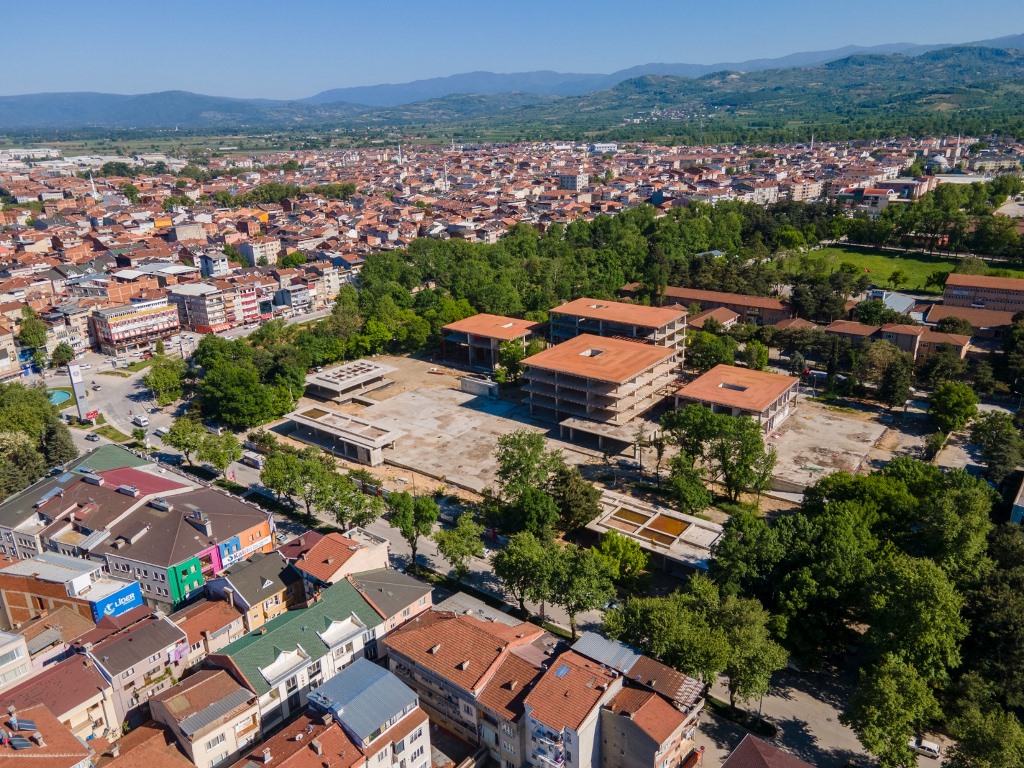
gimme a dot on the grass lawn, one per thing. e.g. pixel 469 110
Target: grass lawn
pixel 881 264
pixel 120 372
pixel 113 434
pixel 68 403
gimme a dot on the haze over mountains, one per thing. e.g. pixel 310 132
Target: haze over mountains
pixel 463 96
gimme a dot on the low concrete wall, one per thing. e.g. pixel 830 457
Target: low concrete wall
pixel 478 387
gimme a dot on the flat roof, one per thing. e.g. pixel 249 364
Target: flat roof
pixel 685 539
pixel 348 376
pixel 620 312
pixel 345 427
pixel 53 567
pixel 493 326
pixel 738 387
pixel 601 358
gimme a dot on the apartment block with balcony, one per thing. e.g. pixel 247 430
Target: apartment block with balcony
pixel 297 652
pixel 74 691
pixel 660 326
pixel 379 713
pixel 134 325
pixel 563 712
pixel 203 308
pixel 139 661
pixel 212 718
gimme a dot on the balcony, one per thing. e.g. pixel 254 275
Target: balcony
pixel 553 758
pixel 547 737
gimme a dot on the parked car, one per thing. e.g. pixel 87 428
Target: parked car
pixel 92 437
pixel 96 387
pixel 923 747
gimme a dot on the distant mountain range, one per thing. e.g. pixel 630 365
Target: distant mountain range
pixel 469 96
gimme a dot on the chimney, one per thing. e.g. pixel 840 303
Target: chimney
pixel 266 755
pixel 318 748
pixel 230 594
pixel 115 750
pixel 39 739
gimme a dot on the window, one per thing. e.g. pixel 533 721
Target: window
pixel 10 656
pixel 292 684
pixel 219 758
pixel 405 613
pixel 215 741
pixel 13 674
pixel 417 754
pixel 314 668
pixel 415 735
pixel 508 746
pixel 507 729
pixel 128 673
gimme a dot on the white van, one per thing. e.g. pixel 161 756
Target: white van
pixel 924 747
pixel 160 431
pixel 141 421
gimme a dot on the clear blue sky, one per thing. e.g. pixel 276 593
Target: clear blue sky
pixel 295 48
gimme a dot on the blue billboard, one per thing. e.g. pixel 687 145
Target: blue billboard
pixel 119 602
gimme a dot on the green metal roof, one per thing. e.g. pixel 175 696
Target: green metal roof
pixel 109 457
pixel 298 627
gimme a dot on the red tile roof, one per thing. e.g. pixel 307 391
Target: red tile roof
pixel 569 691
pixel 755 753
pixel 507 688
pixel 286 752
pixel 983 281
pixel 60 747
pixel 148 746
pixel 325 558
pixel 460 649
pixel 60 687
pixel 205 617
pixel 651 713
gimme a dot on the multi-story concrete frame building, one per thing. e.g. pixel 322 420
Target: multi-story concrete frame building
pixel 660 326
pixel 202 307
pixel 1004 294
pixel 605 380
pixel 144 320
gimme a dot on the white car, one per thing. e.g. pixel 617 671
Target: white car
pixel 85 366
pixel 923 747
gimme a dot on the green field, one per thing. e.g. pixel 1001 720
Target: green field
pixel 882 264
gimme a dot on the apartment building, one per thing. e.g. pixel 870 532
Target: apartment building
pixel 307 742
pixel 209 625
pixel 396 596
pixel 138 661
pixel 15 663
pixel 379 713
pixel 562 712
pixel 598 379
pixel 476 341
pixel 660 326
pixel 261 588
pixel 212 718
pixel 36 737
pixel 203 308
pixel 134 325
pixel 574 182
pixel 298 651
pixel 335 556
pixel 75 692
pixel 471 675
pixel 214 264
pixel 260 250
pixel 768 398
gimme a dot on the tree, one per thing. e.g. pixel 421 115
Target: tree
pixel 897 278
pixel 187 436
pixel 755 355
pixel 754 657
pixel 510 354
pixel 21 463
pixel 57 445
pixel 32 332
pixel 160 348
pixel 915 616
pixel 580 582
pixel 691 428
pixel 341 499
pixel 524 462
pixel 746 554
pixel 738 455
pixel 524 568
pixel 457 545
pixel 62 355
pixel 130 191
pixel 281 474
pixel 943 364
pixel 535 511
pixel 688 489
pixel 705 350
pixel 626 559
pixel 892 703
pixel 166 378
pixel 219 450
pixel 578 500
pixel 413 518
pixel 895 386
pixel 953 404
pixel 139 435
pixel 1002 448
pixel 954 325
pixel 989 738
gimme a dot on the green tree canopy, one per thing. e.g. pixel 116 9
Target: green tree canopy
pixel 460 543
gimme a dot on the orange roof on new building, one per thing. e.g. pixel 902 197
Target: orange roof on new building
pixel 601 358
pixel 738 387
pixel 507 688
pixel 568 691
pixel 620 312
pixel 493 326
